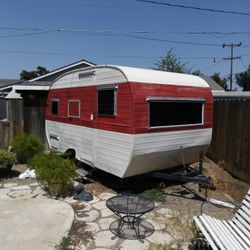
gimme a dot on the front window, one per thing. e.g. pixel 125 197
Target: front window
pixel 107 101
pixel 175 112
pixel 54 106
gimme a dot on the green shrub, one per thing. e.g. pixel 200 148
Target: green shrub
pixel 54 173
pixel 26 146
pixel 7 159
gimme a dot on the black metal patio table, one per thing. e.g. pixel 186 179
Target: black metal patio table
pixel 130 208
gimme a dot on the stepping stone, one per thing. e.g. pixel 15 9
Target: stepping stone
pixel 92 227
pixel 106 196
pixel 3 193
pixel 134 244
pixel 100 205
pixel 89 216
pixel 34 184
pixel 159 238
pixel 165 212
pixel 9 185
pixel 103 239
pixel 69 200
pixel 104 223
pixel 39 191
pixel 21 194
pixel 95 200
pixel 86 207
pixel 24 187
pixel 157 225
pixel 106 212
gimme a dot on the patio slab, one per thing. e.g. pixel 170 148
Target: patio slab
pixel 26 223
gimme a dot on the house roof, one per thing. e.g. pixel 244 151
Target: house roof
pixel 213 85
pixel 61 70
pixel 42 82
pixel 7 82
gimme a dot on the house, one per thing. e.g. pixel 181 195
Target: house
pixel 26 101
pixel 5 86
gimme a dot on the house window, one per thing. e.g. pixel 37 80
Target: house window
pixel 54 106
pixel 175 112
pixel 74 108
pixel 107 101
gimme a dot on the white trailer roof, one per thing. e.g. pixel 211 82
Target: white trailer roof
pixel 111 74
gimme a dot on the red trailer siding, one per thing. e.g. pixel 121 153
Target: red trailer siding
pixel 87 96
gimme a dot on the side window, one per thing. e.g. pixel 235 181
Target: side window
pixel 107 101
pixel 74 108
pixel 54 106
pixel 175 113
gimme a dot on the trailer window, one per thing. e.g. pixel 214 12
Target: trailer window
pixel 54 106
pixel 107 101
pixel 171 113
pixel 74 108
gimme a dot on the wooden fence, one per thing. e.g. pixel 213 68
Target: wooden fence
pixel 230 143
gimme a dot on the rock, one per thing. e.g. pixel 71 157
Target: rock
pixel 104 239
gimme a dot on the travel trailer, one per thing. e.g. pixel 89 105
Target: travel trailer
pixel 129 121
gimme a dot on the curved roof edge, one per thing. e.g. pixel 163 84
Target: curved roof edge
pixel 133 74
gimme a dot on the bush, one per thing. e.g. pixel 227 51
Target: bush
pixel 7 159
pixel 54 173
pixel 26 146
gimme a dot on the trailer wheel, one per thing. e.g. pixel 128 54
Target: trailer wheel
pixel 70 154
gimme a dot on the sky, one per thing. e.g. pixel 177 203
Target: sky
pixel 55 33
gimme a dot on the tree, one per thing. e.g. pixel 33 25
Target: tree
pixel 243 79
pixel 221 81
pixel 27 75
pixel 171 63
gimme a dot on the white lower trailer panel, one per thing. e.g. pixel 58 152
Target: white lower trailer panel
pixel 124 154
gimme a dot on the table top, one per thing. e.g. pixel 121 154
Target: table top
pixel 130 204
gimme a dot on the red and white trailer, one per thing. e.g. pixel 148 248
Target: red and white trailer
pixel 129 121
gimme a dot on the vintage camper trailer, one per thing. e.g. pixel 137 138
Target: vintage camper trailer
pixel 129 121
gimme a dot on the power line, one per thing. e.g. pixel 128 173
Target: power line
pixel 130 31
pixel 194 7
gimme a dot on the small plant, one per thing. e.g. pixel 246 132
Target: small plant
pixel 26 146
pixel 155 194
pixel 64 244
pixel 7 159
pixel 54 173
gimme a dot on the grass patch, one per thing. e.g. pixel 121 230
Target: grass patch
pixel 155 194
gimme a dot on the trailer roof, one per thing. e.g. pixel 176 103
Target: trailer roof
pixel 112 74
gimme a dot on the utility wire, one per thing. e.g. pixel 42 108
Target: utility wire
pixel 194 7
pixel 130 32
